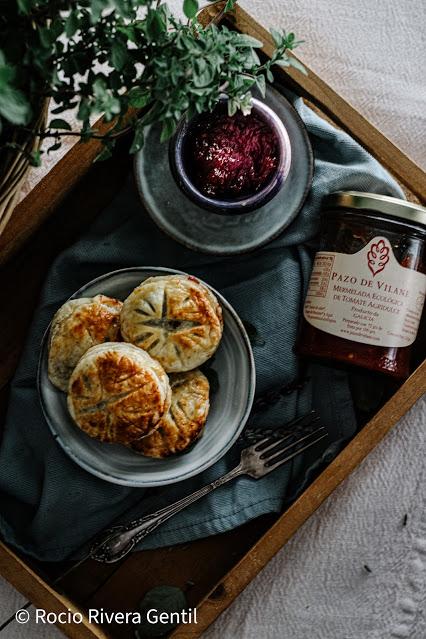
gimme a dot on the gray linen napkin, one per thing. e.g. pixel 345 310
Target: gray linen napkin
pixel 48 505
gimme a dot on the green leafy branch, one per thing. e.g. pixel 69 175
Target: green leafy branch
pixel 107 57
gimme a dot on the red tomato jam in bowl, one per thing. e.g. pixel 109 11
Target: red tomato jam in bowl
pixel 231 164
pixel 368 283
pixel 232 156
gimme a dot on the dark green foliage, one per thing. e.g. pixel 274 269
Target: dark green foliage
pixel 105 56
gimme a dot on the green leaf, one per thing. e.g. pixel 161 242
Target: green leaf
pixel 138 138
pixel 202 73
pixel 244 103
pixel 100 88
pixel 129 31
pixel 155 24
pixel 58 123
pixel 261 84
pixel 119 55
pixel 163 599
pixel 56 28
pixel 54 147
pixel 139 97
pixel 24 6
pixel 7 73
pixel 168 129
pixel 296 64
pixel 230 4
pixel 72 24
pixel 277 37
pixel 84 110
pixel 46 37
pixel 232 107
pixel 125 8
pixel 190 8
pixel 115 81
pixel 59 109
pixel 106 102
pixel 105 154
pixel 14 106
pixel 248 41
pixel 97 6
pixel 35 158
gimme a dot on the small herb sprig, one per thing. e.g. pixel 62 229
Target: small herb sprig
pixel 111 56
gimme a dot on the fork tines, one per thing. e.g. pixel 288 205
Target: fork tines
pixel 295 428
pixel 272 452
pixel 253 435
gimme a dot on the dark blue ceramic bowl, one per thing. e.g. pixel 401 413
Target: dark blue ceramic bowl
pixel 243 204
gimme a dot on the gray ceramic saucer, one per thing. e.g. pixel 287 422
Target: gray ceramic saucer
pixel 230 404
pixel 207 232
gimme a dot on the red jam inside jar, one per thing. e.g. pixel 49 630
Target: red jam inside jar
pixel 231 156
pixel 368 283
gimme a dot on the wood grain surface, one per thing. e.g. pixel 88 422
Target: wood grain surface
pixel 30 584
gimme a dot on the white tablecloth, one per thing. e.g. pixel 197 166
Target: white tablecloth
pixel 317 587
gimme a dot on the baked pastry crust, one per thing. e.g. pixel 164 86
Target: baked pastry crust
pixel 175 318
pixel 118 393
pixel 77 326
pixel 185 420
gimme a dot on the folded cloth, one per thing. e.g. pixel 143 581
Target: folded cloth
pixel 49 506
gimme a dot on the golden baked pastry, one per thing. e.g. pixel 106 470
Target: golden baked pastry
pixel 77 326
pixel 184 423
pixel 175 318
pixel 118 393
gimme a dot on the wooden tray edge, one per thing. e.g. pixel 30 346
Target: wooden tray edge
pixel 32 211
pixel 32 586
pixel 46 196
pixel 224 593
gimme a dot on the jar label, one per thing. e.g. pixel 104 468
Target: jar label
pixel 366 297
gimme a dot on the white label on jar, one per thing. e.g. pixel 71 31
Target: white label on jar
pixel 366 297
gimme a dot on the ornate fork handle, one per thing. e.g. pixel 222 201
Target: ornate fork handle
pixel 118 541
pixel 256 461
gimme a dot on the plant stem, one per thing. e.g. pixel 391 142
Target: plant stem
pixel 218 17
pixel 57 134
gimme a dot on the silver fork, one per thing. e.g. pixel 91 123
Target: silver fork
pixel 256 461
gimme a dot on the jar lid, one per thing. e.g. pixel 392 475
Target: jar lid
pixel 385 204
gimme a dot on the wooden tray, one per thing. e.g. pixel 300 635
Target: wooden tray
pixel 212 571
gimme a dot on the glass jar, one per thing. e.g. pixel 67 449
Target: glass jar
pixel 368 283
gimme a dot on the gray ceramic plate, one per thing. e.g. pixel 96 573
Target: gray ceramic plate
pixel 207 232
pixel 230 405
